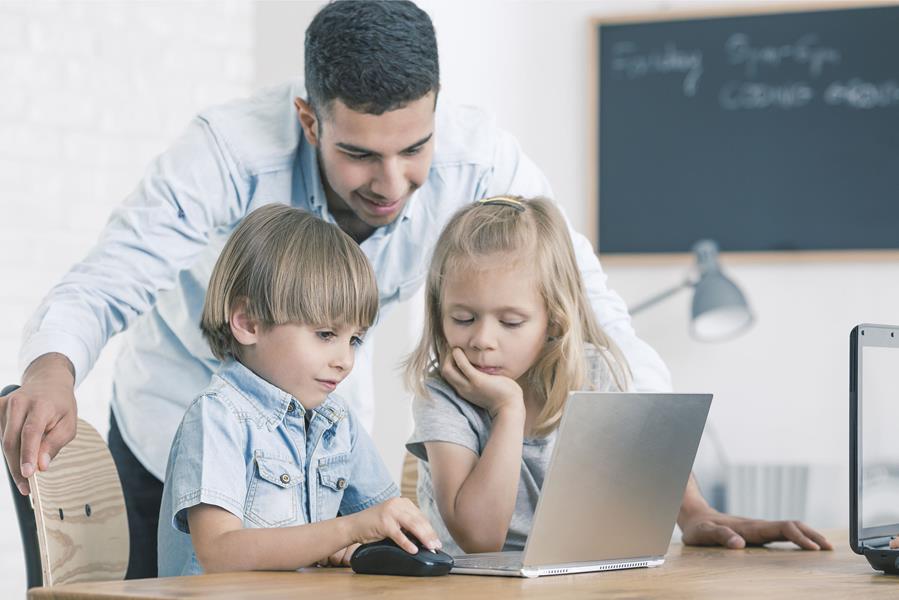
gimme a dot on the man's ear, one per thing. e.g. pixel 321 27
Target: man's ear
pixel 244 328
pixel 308 120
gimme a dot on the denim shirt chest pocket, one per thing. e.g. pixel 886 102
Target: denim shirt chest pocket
pixel 273 494
pixel 333 477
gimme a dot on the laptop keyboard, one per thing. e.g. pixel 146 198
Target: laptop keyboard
pixel 489 560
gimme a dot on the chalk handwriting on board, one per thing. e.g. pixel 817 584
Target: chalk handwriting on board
pixel 804 51
pixel 628 59
pixel 754 63
pixel 857 93
pixel 747 95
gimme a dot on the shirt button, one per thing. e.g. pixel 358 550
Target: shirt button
pixel 291 407
pixel 341 483
pixel 285 478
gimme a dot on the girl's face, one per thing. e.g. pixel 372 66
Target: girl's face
pixel 496 315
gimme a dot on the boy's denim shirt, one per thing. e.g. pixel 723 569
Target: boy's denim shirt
pixel 244 445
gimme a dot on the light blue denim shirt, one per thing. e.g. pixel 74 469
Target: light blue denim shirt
pixel 243 445
pixel 149 270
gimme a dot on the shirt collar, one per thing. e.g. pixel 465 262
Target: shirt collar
pixel 270 401
pixel 315 191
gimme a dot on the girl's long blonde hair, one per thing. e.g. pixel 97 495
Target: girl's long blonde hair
pixel 532 232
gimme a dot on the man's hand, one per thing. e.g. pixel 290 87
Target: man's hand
pixel 392 519
pixel 341 558
pixel 491 392
pixel 39 418
pixel 708 527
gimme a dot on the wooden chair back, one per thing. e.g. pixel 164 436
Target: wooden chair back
pixel 82 526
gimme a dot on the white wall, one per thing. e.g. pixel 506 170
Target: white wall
pixel 89 93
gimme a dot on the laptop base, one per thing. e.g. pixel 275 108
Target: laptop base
pixel 562 569
pixel 883 560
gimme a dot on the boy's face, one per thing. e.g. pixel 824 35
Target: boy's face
pixel 371 164
pixel 497 316
pixel 306 361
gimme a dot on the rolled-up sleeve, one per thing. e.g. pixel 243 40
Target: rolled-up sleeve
pixel 160 228
pixel 207 463
pixel 441 417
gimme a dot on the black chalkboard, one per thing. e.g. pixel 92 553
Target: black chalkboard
pixel 763 132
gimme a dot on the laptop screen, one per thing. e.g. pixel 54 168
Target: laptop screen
pixel 875 379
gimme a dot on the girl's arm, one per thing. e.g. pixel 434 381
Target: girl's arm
pixel 476 495
pixel 222 544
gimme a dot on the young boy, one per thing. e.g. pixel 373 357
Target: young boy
pixel 267 457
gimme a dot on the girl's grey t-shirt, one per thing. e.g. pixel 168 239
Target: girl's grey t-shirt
pixel 447 417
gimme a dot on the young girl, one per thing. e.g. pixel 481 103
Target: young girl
pixel 267 457
pixel 508 334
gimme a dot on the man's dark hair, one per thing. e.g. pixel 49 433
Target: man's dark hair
pixel 373 55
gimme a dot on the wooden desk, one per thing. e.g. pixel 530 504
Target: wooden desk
pixel 778 571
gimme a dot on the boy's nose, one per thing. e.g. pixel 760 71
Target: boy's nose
pixel 343 359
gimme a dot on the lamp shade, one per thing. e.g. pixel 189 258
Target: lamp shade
pixel 720 310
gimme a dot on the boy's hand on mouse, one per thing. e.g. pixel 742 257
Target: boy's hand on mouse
pixel 389 520
pixel 341 558
pixel 493 393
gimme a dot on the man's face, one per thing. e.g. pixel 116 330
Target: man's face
pixel 373 163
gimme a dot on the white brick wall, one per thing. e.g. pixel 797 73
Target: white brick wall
pixel 89 93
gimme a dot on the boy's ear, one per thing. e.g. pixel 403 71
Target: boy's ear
pixel 243 327
pixel 308 120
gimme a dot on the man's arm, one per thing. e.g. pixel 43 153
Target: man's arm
pixel 702 525
pixel 160 228
pixel 158 231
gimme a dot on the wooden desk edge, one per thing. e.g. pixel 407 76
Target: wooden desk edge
pixel 775 571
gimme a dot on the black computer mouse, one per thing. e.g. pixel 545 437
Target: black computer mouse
pixel 386 558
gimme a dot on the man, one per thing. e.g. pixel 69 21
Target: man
pixel 366 145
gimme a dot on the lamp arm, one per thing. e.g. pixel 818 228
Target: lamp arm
pixel 661 296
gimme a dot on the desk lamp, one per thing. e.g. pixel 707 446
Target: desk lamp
pixel 720 311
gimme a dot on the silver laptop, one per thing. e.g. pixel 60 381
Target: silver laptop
pixel 613 488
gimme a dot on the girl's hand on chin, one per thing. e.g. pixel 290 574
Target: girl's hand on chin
pixel 494 393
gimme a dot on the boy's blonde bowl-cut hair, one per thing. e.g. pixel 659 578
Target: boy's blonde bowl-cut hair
pixel 288 267
pixel 531 232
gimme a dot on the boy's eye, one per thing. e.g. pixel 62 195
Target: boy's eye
pixel 359 157
pixel 325 335
pixel 412 151
pixel 356 341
